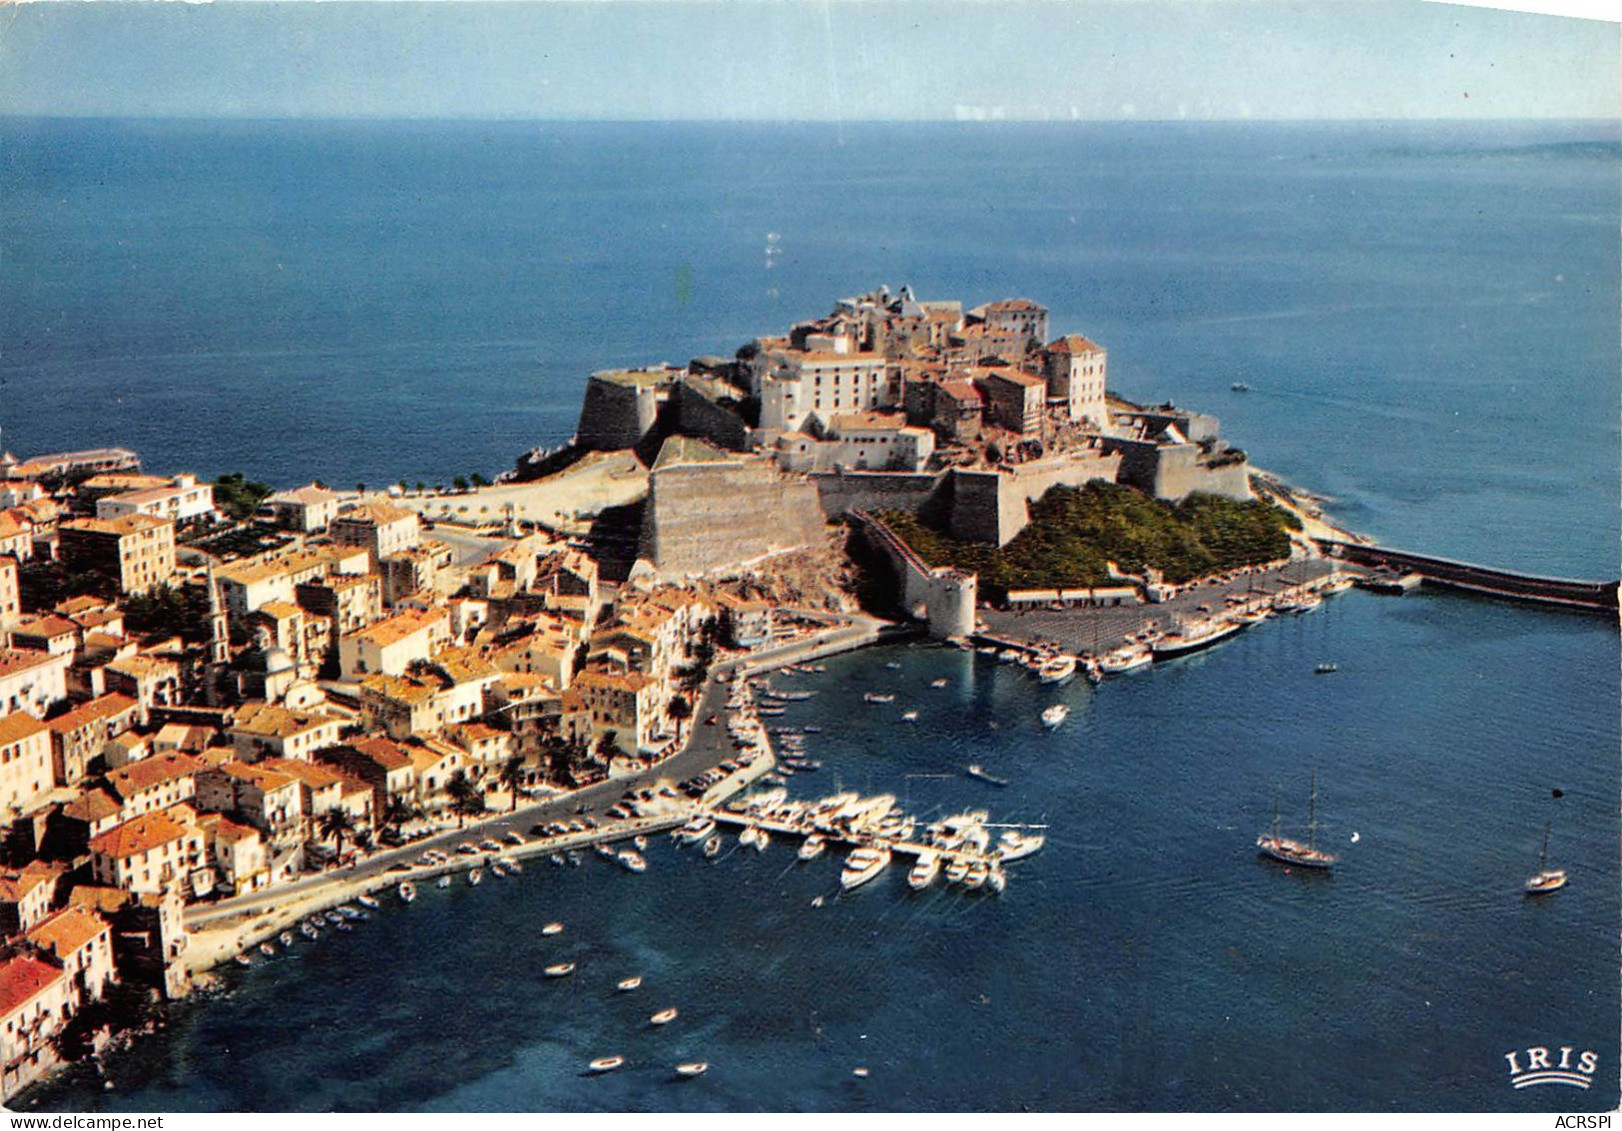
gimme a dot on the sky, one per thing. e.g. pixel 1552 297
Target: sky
pixel 813 60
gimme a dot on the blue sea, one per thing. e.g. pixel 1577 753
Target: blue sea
pixel 1426 315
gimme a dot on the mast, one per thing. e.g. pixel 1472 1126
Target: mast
pixel 1275 816
pixel 1312 813
pixel 1543 857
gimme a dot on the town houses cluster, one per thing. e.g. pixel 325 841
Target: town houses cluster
pixel 194 707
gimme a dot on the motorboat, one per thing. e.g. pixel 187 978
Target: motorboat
pixel 909 716
pixel 1057 670
pixel 1054 715
pixel 1126 660
pixel 712 847
pixel 1013 844
pixel 443 881
pixel 924 871
pixel 692 1068
pixel 997 880
pixel 696 830
pixel 956 869
pixel 812 847
pixel 875 697
pixel 632 861
pixel 977 771
pixel 552 929
pixel 626 985
pixel 940 683
pixel 367 901
pixel 243 960
pixel 664 1016
pixel 862 865
pixel 407 891
pixel 605 1064
pixel 267 950
pixel 561 970
pixel 474 877
pixel 286 939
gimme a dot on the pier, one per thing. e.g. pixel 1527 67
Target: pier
pixel 1593 596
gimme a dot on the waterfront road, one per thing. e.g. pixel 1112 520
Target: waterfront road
pixel 1097 630
pixel 707 746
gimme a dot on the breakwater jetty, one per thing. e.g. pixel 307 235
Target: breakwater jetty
pixel 1593 596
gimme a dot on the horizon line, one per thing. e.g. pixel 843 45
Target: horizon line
pixel 1615 119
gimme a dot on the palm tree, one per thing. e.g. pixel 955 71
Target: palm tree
pixel 337 824
pixel 398 811
pixel 467 798
pixel 511 775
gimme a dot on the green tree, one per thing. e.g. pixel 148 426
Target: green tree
pixel 239 496
pixel 511 775
pixel 467 796
pixel 168 610
pixel 479 480
pixel 421 486
pixel 336 823
pixel 680 708
pixel 398 812
pixel 460 484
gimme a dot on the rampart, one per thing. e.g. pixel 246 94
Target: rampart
pixel 942 597
pixel 705 516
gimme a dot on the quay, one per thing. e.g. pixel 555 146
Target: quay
pixel 1595 596
pixel 785 828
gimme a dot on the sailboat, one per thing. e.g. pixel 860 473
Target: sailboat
pixel 1287 851
pixel 1547 879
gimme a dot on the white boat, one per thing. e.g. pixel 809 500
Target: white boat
pixel 1547 879
pixel 762 839
pixel 407 891
pixel 664 1016
pixel 862 865
pixel 692 1068
pixel 561 970
pixel 696 830
pixel 475 876
pixel 1193 637
pixel 1013 844
pixel 909 716
pixel 443 881
pixel 605 1064
pixel 956 869
pixel 812 847
pixel 1057 670
pixel 976 874
pixel 267 950
pixel 997 880
pixel 712 847
pixel 286 939
pixel 641 843
pixel 1054 715
pixel 1286 851
pixel 626 985
pixel 367 901
pixel 924 871
pixel 552 929
pixel 632 861
pixel 940 682
pixel 747 837
pixel 243 960
pixel 1126 660
pixel 875 697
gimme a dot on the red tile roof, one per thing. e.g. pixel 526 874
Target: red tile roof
pixel 22 979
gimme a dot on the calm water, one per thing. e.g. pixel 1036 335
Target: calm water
pixel 1427 318
pixel 1426 314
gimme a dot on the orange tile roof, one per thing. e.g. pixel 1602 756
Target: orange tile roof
pixel 92 806
pixel 139 836
pixel 103 899
pixel 47 625
pixel 383 751
pixel 1074 343
pixel 224 828
pixel 65 932
pixel 311 774
pixel 619 681
pixel 376 513
pixel 121 526
pixel 18 882
pixel 97 709
pixel 17 726
pixel 401 625
pixel 14 660
pixel 22 979
pixel 149 773
pixel 267 780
